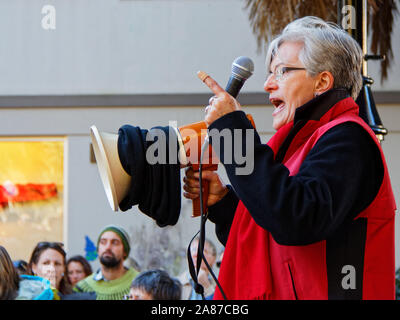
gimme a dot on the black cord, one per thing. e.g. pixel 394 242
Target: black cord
pixel 197 287
pixel 200 250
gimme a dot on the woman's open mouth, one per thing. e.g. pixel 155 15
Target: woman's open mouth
pixel 279 106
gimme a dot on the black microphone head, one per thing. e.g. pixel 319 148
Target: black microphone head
pixel 242 68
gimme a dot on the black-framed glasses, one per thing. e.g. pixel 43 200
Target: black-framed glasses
pixel 281 71
pixel 50 244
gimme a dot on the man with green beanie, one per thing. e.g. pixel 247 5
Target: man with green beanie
pixel 112 281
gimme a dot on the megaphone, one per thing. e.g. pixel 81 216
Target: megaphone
pixel 116 181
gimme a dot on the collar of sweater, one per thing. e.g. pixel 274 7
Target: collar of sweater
pixel 121 284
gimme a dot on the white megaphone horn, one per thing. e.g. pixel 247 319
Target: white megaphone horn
pixel 115 179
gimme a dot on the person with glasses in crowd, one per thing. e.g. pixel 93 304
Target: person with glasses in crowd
pixel 113 280
pixel 314 219
pixel 48 260
pixel 204 277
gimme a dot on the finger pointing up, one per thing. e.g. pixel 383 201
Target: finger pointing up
pixel 210 82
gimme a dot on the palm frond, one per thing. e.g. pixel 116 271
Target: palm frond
pixel 269 17
pixel 382 16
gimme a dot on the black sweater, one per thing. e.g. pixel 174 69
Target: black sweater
pixel 339 178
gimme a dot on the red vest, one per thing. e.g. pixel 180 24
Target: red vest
pixel 256 267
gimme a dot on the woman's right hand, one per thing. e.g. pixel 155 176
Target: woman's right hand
pixel 217 189
pixel 49 273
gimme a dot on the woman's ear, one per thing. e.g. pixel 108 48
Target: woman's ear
pixel 324 82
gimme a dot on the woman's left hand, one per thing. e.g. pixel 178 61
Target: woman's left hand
pixel 220 104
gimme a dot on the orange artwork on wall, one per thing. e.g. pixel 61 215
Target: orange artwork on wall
pixel 31 193
pixel 26 192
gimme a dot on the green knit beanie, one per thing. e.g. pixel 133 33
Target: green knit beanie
pixel 121 233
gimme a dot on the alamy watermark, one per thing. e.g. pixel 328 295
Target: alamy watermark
pixel 48 21
pixel 349 280
pixel 235 146
pixel 348 17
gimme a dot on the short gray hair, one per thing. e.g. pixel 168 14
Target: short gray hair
pixel 326 47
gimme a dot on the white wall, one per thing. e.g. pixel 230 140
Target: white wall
pixel 121 47
pixel 108 47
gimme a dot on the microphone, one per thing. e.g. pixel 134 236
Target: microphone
pixel 242 69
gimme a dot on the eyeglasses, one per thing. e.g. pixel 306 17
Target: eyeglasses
pixel 194 249
pixel 50 244
pixel 281 71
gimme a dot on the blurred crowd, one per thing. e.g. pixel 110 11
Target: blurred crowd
pixel 52 275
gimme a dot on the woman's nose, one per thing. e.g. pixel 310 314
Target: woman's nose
pixel 270 84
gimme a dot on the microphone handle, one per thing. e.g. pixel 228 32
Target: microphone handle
pixel 234 85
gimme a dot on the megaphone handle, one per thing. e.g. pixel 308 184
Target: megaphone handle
pixel 196 202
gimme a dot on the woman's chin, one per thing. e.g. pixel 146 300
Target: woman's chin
pixel 278 123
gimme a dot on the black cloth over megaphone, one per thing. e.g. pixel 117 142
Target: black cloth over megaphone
pixel 155 188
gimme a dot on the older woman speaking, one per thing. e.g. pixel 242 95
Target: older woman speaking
pixel 315 218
